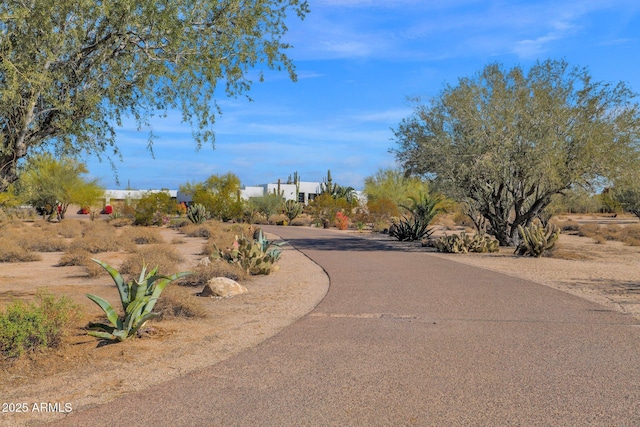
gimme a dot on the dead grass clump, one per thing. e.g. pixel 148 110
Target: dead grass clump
pixel 69 228
pixel 176 302
pixel 81 257
pixel 144 235
pixel 203 273
pixel 196 230
pixel 98 236
pixel 568 226
pixel 631 235
pixel 588 230
pixel 44 240
pixel 12 252
pixel 599 239
pixel 122 221
pixel 612 232
pixel 165 257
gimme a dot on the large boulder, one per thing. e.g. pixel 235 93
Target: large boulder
pixel 222 287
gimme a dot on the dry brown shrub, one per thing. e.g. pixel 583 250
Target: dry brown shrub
pixel 177 302
pixel 70 228
pixel 12 252
pixel 177 241
pixel 196 230
pixel 81 257
pixel 144 235
pixel 43 239
pixel 203 273
pixel 599 239
pixel 99 236
pixel 120 222
pixel 568 226
pixel 560 253
pixel 589 230
pixel 631 233
pixel 612 232
pixel 165 257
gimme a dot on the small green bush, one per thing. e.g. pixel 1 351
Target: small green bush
pixel 26 328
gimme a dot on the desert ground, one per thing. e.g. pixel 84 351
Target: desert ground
pixel 85 373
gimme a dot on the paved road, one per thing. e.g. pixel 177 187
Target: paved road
pixel 404 339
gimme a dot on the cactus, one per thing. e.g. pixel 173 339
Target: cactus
pixel 462 243
pixel 256 256
pixel 197 213
pixel 292 209
pixel 535 239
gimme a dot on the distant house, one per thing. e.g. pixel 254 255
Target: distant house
pixel 307 191
pixel 126 196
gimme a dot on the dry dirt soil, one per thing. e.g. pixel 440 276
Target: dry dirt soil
pixel 85 373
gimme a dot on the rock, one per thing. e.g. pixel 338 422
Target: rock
pixel 222 287
pixel 205 261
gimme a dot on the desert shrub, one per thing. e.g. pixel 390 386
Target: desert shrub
pixel 612 232
pixel 255 255
pixel 342 221
pixel 144 235
pixel 178 302
pixel 568 226
pixel 588 230
pixel 631 235
pixel 81 257
pixel 30 327
pixel 69 228
pixel 12 252
pixel 196 230
pixel 98 236
pixel 46 240
pixel 599 239
pixel 154 209
pixel 121 221
pixel 203 273
pixel 165 257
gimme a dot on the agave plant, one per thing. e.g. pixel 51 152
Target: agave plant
pixel 138 297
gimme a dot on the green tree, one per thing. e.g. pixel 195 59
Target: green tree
pixel 153 207
pixel 71 70
pixel 267 205
pixel 507 142
pixel 47 182
pixel 219 194
pixel 393 185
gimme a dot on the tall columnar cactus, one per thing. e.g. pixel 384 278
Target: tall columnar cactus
pixel 535 239
pixel 197 213
pixel 292 209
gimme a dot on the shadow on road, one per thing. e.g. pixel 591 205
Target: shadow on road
pixel 343 244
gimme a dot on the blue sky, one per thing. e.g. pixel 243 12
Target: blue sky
pixel 357 63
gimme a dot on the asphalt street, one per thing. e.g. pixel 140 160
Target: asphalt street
pixel 404 338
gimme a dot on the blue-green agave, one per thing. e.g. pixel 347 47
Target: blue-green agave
pixel 138 297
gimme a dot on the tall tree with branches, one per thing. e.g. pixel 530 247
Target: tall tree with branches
pixel 506 141
pixel 72 70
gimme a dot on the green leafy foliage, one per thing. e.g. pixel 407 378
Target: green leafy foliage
pixel 154 208
pixel 535 239
pixel 47 181
pixel 72 70
pixel 462 243
pixel 138 297
pixel 255 256
pixel 507 141
pixel 219 194
pixel 415 226
pixel 29 327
